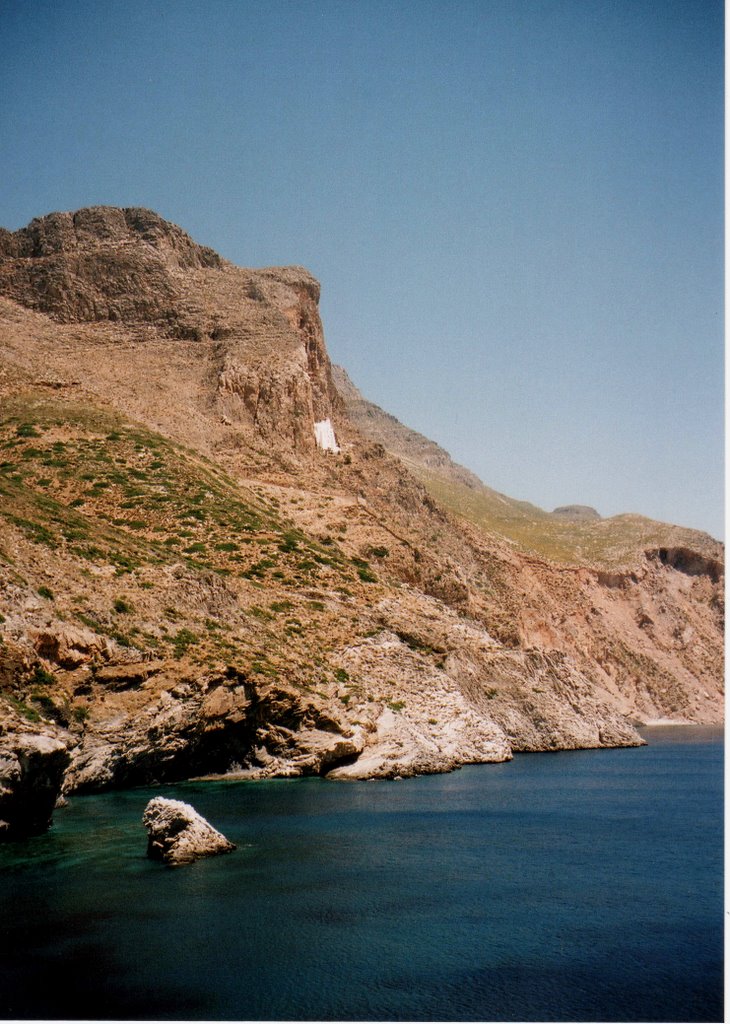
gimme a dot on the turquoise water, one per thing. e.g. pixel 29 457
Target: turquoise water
pixel 568 886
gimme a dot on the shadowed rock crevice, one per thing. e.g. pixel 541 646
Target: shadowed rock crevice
pixel 691 563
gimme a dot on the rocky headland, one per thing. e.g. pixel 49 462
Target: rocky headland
pixel 219 559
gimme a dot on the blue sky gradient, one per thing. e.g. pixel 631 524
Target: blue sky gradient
pixel 515 207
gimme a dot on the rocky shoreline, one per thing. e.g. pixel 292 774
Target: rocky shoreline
pixel 219 560
pixel 38 771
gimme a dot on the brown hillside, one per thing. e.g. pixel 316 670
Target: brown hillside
pixel 191 584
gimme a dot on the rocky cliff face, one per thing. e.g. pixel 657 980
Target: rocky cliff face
pixel 102 264
pixel 281 391
pixel 407 445
pixel 129 267
pixel 191 585
pixel 31 775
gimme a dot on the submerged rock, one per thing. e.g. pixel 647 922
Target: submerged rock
pixel 177 834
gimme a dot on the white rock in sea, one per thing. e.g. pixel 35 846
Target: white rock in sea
pixel 177 834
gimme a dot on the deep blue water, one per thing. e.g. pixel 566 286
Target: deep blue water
pixel 570 886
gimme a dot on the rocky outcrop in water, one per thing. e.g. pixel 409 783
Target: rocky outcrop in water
pixel 31 774
pixel 177 834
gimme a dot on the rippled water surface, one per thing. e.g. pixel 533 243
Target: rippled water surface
pixel 571 886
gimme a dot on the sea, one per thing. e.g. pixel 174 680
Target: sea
pixel 570 886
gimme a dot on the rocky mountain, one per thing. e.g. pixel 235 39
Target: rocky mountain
pixel 216 561
pixel 576 512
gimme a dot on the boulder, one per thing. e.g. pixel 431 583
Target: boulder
pixel 177 834
pixel 70 646
pixel 31 774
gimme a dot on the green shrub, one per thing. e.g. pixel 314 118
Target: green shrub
pixel 27 430
pixel 46 592
pixel 260 613
pixel 35 532
pixel 182 640
pixel 121 606
pixel 43 677
pixel 30 713
pixel 263 668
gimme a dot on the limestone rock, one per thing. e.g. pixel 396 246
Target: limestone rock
pixel 285 753
pixel 177 834
pixel 70 646
pixel 124 677
pixel 31 774
pixel 101 263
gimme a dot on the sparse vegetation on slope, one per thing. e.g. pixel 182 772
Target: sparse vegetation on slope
pixel 571 534
pixel 609 543
pixel 156 553
pixel 189 585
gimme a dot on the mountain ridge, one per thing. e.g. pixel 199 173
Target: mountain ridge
pixel 563 530
pixel 193 585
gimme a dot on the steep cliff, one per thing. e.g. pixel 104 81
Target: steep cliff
pixel 209 567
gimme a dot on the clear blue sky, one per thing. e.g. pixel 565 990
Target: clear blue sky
pixel 514 206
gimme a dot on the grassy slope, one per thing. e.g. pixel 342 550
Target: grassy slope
pixel 120 531
pixel 606 543
pixel 620 540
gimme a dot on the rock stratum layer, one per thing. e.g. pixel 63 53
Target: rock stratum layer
pixel 192 586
